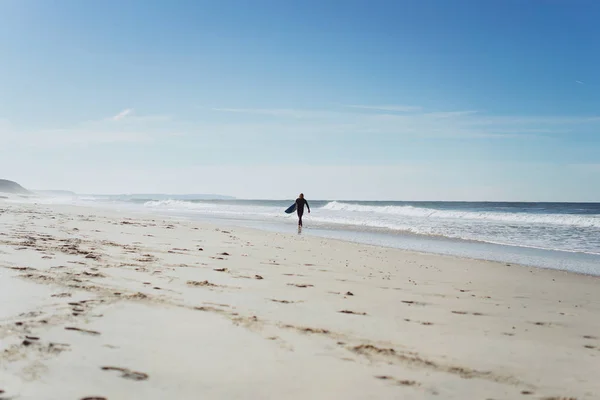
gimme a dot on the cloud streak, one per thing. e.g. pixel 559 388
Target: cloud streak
pixel 280 112
pixel 465 124
pixel 394 108
pixel 131 129
pixel 268 125
pixel 122 115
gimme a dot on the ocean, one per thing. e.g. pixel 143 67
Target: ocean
pixel 552 235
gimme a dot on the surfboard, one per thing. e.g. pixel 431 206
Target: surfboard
pixel 291 209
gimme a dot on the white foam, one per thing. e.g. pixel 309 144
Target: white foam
pixel 564 232
pixel 520 218
pixel 178 204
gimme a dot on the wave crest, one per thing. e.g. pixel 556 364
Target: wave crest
pixel 584 221
pixel 178 204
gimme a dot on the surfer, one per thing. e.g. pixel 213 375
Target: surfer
pixel 300 202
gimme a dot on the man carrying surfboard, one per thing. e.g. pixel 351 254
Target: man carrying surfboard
pixel 300 202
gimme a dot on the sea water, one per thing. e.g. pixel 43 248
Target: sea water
pixel 553 235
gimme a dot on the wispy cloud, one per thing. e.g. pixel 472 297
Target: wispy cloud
pixel 265 124
pixel 394 108
pixel 466 124
pixel 263 111
pixel 131 129
pixel 140 119
pixel 580 82
pixel 123 114
pixel 131 116
pixel 449 114
pixel 312 113
pixel 279 112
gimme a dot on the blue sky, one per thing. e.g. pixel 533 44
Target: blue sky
pixel 432 100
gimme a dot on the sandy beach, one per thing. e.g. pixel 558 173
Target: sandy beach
pixel 98 304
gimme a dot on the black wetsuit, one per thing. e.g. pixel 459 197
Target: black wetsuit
pixel 300 209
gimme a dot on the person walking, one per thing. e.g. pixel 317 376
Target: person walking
pixel 300 203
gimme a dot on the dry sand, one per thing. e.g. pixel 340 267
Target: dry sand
pixel 101 305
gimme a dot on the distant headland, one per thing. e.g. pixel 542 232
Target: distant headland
pixel 11 187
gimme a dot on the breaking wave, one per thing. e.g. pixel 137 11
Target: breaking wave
pixel 585 221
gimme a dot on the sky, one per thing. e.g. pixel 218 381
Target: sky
pixel 341 99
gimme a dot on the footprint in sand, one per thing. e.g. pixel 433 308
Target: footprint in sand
pixel 282 301
pixel 404 382
pixel 128 374
pixel 426 323
pixel 408 383
pixel 546 323
pixel 88 332
pixel 466 313
pixel 559 398
pixel 300 285
pixel 29 340
pixel 203 283
pixel 352 312
pixel 415 303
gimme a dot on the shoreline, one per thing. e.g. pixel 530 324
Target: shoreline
pixel 255 226
pixel 113 304
pixel 214 223
pixel 453 247
pixel 577 261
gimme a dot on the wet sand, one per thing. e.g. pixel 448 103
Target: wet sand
pixel 102 305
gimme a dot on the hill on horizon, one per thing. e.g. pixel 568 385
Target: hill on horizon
pixel 11 187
